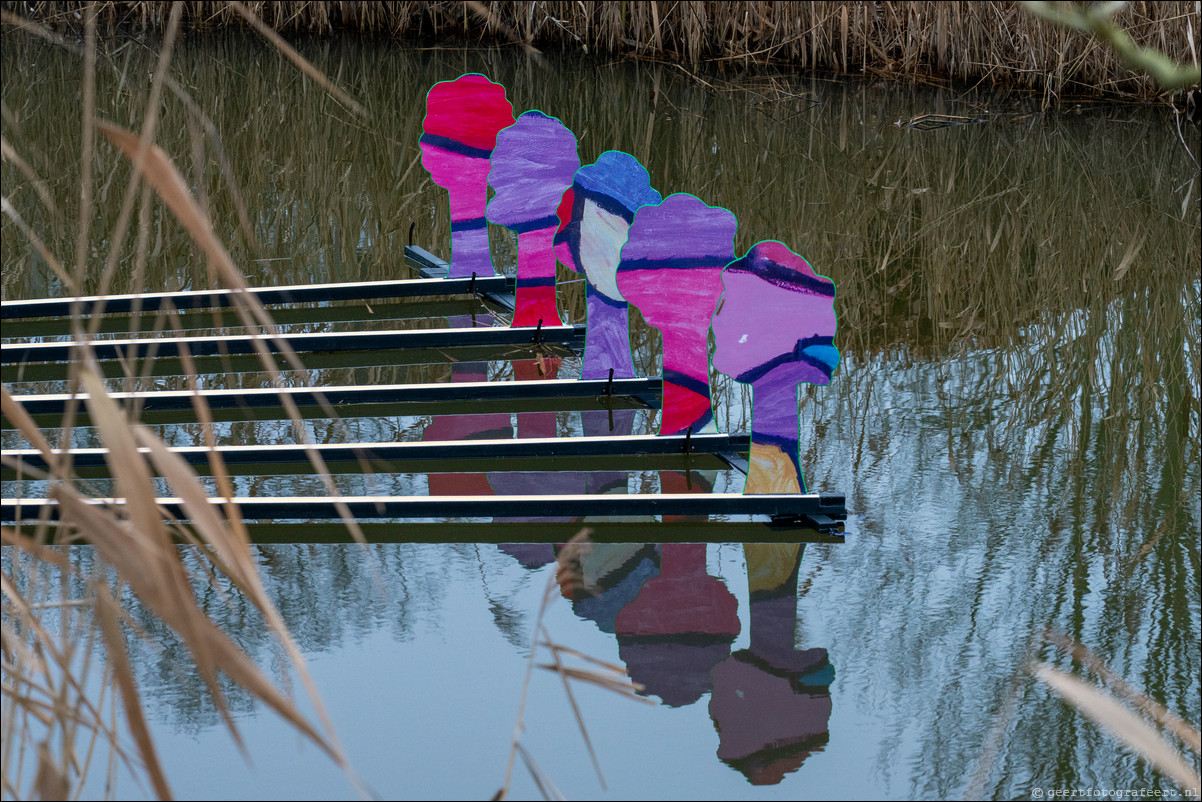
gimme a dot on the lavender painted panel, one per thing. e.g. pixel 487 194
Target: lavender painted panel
pixel 532 166
pixel 774 329
pixel 671 270
pixel 459 132
pixel 595 216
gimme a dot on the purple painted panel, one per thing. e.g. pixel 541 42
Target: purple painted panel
pixel 774 329
pixel 532 165
pixel 459 131
pixel 594 218
pixel 671 270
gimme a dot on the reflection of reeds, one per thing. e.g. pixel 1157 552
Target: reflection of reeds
pixel 993 41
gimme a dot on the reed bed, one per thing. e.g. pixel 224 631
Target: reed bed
pixel 995 43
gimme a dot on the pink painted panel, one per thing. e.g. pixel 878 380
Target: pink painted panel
pixel 459 131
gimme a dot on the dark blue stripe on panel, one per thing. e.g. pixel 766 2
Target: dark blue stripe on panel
pixel 687 382
pixel 785 277
pixel 454 146
pixel 703 421
pixel 548 281
pixel 535 225
pixel 826 369
pixel 681 263
pixel 796 355
pixel 467 225
pixel 592 292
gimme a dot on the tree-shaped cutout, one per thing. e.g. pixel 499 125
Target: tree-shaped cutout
pixel 774 329
pixel 532 166
pixel 671 269
pixel 594 217
pixel 459 131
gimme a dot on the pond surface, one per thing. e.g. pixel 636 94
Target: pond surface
pixel 1015 424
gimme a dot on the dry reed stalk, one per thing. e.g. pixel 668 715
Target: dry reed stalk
pixel 605 675
pixel 1120 722
pixel 135 543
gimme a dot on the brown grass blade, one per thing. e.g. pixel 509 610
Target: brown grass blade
pixel 1120 722
pixel 155 574
pixel 126 465
pixel 50 782
pixel 564 674
pixel 1147 705
pixel 160 171
pixel 39 186
pixel 545 786
pixel 127 686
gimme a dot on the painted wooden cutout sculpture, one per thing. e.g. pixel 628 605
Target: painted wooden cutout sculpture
pixel 459 131
pixel 774 329
pixel 594 217
pixel 532 165
pixel 671 269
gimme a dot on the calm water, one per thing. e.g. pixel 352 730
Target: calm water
pixel 1015 423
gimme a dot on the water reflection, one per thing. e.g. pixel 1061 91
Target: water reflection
pixel 675 625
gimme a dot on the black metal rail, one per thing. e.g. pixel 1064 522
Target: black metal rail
pixel 206 299
pixel 582 453
pixel 141 347
pixel 599 531
pixel 780 507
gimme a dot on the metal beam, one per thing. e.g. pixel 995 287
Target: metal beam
pixel 299 293
pixel 703 531
pixel 646 392
pixel 12 353
pixel 782 507
pixel 383 455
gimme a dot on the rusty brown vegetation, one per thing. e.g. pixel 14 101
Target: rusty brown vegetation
pixel 995 43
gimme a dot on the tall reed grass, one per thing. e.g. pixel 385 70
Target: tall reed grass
pixel 996 43
pixel 57 618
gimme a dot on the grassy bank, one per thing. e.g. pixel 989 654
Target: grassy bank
pixel 990 42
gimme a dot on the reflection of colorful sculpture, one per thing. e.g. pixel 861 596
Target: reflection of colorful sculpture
pixel 771 703
pixel 466 427
pixel 460 129
pixel 594 218
pixel 671 270
pixel 774 329
pixel 679 626
pixel 532 165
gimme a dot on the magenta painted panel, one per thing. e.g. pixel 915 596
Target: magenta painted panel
pixel 671 269
pixel 532 166
pixel 594 218
pixel 459 131
pixel 774 329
